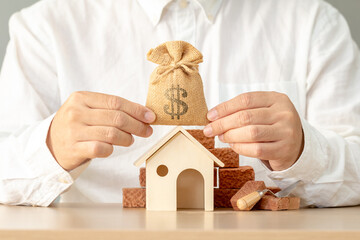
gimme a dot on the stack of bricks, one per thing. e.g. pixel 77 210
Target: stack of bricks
pixel 229 180
pixel 239 180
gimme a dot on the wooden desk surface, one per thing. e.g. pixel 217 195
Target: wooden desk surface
pixel 111 221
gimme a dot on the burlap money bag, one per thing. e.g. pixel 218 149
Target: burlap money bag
pixel 176 93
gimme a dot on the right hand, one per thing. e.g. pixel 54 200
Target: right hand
pixel 89 124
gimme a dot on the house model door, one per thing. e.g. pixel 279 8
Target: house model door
pixel 190 190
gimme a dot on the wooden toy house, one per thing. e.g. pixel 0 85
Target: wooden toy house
pixel 179 173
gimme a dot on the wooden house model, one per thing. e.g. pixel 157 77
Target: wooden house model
pixel 179 173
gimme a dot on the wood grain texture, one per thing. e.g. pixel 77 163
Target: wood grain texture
pixel 179 154
pixel 178 235
pixel 142 177
pixel 111 221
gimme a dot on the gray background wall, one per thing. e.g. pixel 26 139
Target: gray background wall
pixel 350 9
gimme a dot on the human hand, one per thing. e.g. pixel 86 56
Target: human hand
pixel 89 124
pixel 263 125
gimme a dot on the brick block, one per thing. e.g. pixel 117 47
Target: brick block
pixel 142 177
pixel 294 203
pixel 134 197
pixel 222 197
pixel 269 202
pixel 227 156
pixel 273 189
pixel 235 177
pixel 249 187
pixel 215 177
pixel 209 143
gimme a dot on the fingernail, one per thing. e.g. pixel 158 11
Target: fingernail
pixel 150 117
pixel 231 144
pixel 208 130
pixel 221 137
pixel 149 131
pixel 212 115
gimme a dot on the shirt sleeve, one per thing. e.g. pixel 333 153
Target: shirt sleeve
pixel 329 166
pixel 29 96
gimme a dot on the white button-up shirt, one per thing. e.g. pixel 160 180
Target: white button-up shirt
pixel 300 47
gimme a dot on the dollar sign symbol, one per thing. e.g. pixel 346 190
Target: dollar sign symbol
pixel 173 94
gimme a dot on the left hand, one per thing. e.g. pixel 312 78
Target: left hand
pixel 263 125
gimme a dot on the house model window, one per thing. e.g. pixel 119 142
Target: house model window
pixel 162 170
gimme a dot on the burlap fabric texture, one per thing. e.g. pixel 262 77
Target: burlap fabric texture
pixel 176 93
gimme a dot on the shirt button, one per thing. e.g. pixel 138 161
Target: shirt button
pixel 211 17
pixel 183 3
pixel 275 177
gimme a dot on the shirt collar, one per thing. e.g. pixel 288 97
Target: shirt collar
pixel 154 8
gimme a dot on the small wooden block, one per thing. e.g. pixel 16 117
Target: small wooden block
pixel 249 187
pixel 273 189
pixel 235 177
pixel 207 142
pixel 134 197
pixel 269 202
pixel 227 156
pixel 222 197
pixel 142 177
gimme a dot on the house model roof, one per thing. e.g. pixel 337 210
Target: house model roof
pixel 167 138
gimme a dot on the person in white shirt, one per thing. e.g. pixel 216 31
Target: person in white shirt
pixel 281 77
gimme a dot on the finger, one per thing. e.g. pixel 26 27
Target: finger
pixel 239 119
pixel 94 149
pixel 244 101
pixel 118 119
pixel 253 133
pixel 110 102
pixel 264 151
pixel 110 135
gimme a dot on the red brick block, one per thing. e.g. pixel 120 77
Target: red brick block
pixel 207 142
pixel 273 189
pixel 269 202
pixel 215 177
pixel 134 197
pixel 222 197
pixel 227 156
pixel 235 177
pixel 294 203
pixel 142 177
pixel 249 187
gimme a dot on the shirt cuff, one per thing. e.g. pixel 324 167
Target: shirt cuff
pixel 311 163
pixel 53 179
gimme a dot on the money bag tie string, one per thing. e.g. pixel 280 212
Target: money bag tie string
pixel 163 71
